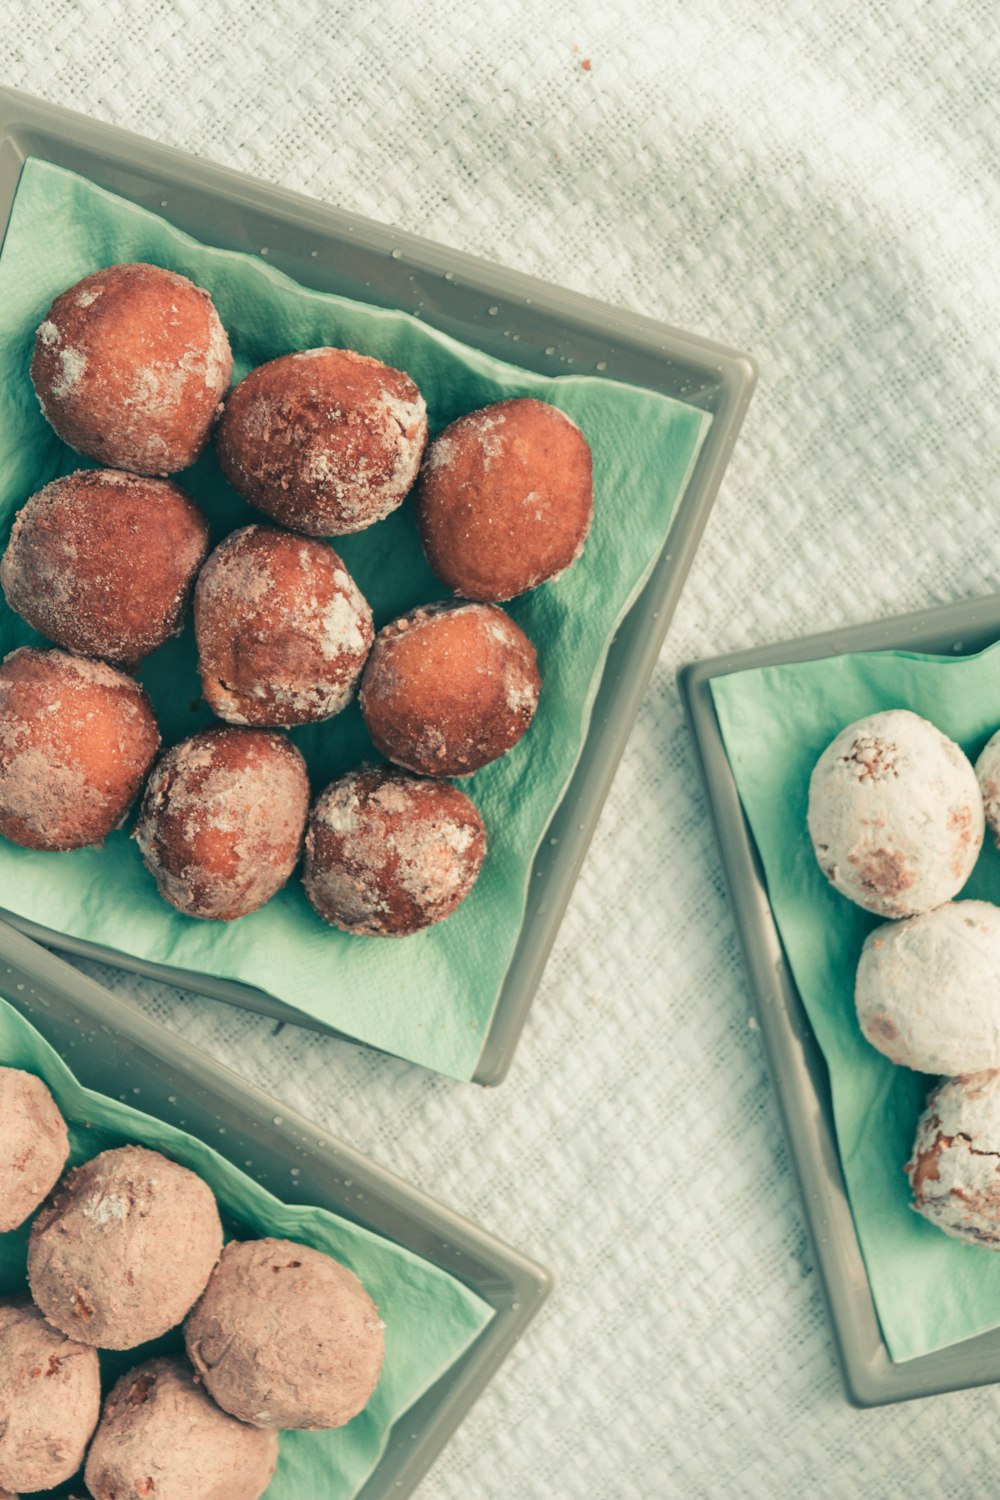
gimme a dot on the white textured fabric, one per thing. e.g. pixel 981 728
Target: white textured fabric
pixel 817 184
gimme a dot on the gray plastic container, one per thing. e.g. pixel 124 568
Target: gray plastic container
pixel 484 306
pixel 797 1064
pixel 113 1048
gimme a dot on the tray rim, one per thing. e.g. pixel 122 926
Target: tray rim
pixel 27 122
pixel 797 1065
pixel 514 1285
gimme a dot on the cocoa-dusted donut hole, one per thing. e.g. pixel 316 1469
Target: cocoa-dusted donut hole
pixel 388 854
pixel 77 738
pixel 130 366
pixel 222 820
pixel 505 499
pixel 283 630
pixel 102 562
pixel 326 441
pixel 449 688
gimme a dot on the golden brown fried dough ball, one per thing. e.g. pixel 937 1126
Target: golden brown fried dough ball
pixel 77 738
pixel 326 441
pixel 283 630
pixel 285 1336
pixel 161 1437
pixel 505 499
pixel 448 688
pixel 102 562
pixel 34 1145
pixel 130 366
pixel 50 1397
pixel 123 1248
pixel 388 854
pixel 222 821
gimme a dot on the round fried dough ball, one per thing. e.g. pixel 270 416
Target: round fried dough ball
pixel 388 854
pixel 34 1145
pixel 161 1437
pixel 506 499
pixel 222 820
pixel 130 367
pixel 102 562
pixel 448 688
pixel 895 814
pixel 76 740
pixel 286 1336
pixel 326 441
pixel 123 1248
pixel 283 630
pixel 50 1399
pixel 953 1165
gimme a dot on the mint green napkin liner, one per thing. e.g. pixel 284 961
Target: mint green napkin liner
pixel 431 1319
pixel 930 1290
pixel 429 997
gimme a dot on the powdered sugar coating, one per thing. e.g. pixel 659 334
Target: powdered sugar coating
pixel 285 1336
pixel 76 740
pixel 283 630
pixel 928 989
pixel 34 1145
pixel 161 1437
pixel 130 365
pixel 449 688
pixel 122 1250
pixel 325 441
pixel 954 1169
pixel 103 562
pixel 222 821
pixel 988 776
pixel 895 814
pixel 389 854
pixel 50 1397
pixel 505 500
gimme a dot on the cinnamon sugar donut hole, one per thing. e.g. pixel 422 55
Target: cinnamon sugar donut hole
pixel 325 441
pixel 76 740
pixel 449 688
pixel 506 499
pixel 222 821
pixel 283 630
pixel 103 562
pixel 388 854
pixel 130 366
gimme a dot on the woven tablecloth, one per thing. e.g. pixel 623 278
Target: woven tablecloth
pixel 817 185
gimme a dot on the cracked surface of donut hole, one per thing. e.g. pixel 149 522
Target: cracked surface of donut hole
pixel 50 1393
pixel 954 1168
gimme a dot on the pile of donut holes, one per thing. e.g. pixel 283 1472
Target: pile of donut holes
pixel 132 370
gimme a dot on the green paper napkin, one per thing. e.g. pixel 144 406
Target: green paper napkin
pixel 429 997
pixel 930 1290
pixel 431 1319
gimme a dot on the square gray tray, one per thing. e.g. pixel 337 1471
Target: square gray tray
pixel 493 309
pixel 796 1062
pixel 114 1049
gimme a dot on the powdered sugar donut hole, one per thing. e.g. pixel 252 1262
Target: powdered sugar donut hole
pixel 927 991
pixel 389 854
pixel 130 366
pixel 449 688
pixel 222 821
pixel 505 499
pixel 988 774
pixel 283 630
pixel 326 441
pixel 77 738
pixel 895 814
pixel 954 1169
pixel 103 562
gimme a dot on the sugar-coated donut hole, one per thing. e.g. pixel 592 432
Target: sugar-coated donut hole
pixel 103 562
pixel 130 365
